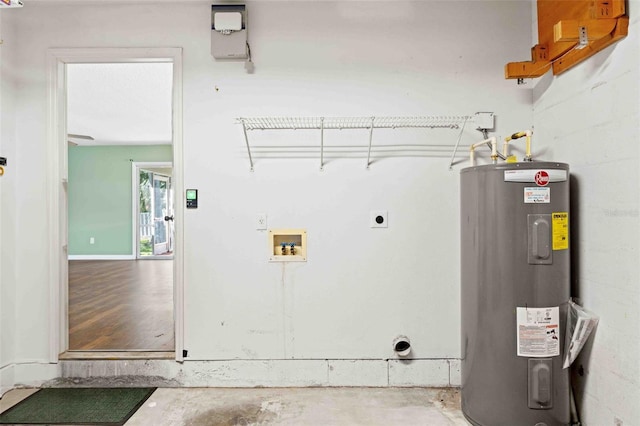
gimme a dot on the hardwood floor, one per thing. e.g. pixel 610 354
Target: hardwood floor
pixel 121 305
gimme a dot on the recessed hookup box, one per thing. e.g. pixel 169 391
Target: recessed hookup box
pixel 287 245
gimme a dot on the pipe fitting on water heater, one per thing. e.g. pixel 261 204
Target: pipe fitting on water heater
pixel 526 134
pixel 492 142
pixel 402 346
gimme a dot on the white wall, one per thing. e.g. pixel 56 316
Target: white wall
pixel 589 117
pixel 360 287
pixel 2 297
pixel 7 210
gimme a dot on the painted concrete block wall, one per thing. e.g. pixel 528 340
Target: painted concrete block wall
pixel 589 117
pixel 361 287
pixel 267 373
pixel 100 196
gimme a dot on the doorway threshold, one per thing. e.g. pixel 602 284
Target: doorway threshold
pixel 115 355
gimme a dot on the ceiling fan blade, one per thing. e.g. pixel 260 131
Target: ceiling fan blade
pixel 85 137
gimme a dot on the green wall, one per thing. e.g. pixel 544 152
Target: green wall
pixel 100 196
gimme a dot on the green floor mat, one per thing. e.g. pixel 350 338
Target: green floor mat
pixel 86 406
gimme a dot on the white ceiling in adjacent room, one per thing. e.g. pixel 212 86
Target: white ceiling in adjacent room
pixel 123 103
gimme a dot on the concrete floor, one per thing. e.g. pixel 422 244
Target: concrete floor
pixel 292 406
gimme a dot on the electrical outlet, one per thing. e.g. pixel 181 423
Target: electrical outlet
pixel 261 221
pixel 378 219
pixel 92 240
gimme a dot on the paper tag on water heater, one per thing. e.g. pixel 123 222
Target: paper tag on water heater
pixel 538 332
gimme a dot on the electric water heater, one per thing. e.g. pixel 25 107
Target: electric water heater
pixel 515 287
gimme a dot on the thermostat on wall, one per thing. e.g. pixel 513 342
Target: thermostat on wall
pixel 192 198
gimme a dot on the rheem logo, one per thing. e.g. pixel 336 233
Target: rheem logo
pixel 541 178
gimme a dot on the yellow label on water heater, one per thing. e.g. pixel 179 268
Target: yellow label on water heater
pixel 560 230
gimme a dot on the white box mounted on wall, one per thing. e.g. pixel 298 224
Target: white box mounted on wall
pixel 229 31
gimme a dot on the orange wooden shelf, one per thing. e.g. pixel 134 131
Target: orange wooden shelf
pixel 559 26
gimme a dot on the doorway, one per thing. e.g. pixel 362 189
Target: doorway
pixel 62 137
pixel 115 112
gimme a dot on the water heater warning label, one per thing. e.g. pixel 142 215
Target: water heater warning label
pixel 537 194
pixel 538 331
pixel 560 230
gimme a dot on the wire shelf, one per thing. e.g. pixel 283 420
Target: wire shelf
pixel 456 122
pixel 338 123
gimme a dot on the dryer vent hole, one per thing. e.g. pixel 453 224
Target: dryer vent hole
pixel 402 346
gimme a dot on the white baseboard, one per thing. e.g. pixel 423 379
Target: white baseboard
pixel 101 257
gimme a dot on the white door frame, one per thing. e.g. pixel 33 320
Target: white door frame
pixel 58 174
pixel 136 166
